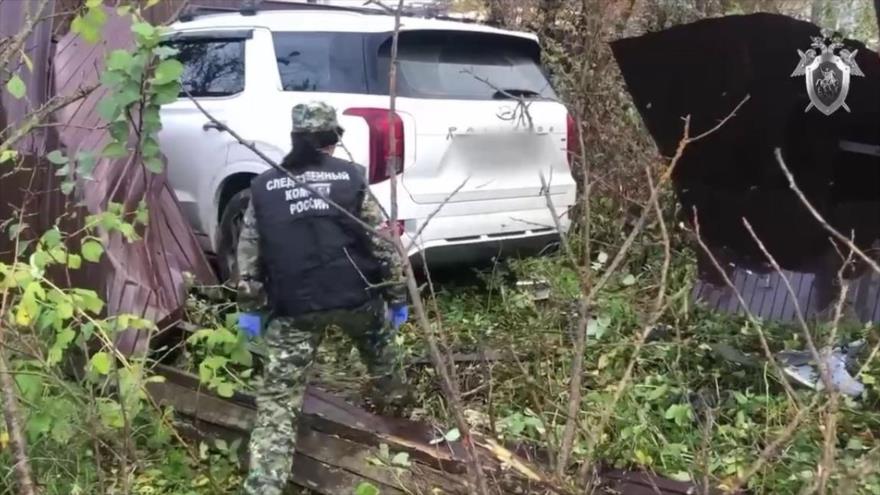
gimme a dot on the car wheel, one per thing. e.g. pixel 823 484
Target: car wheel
pixel 230 229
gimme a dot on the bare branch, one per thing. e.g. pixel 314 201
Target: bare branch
pixel 818 216
pixel 296 180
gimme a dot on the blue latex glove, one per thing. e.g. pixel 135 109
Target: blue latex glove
pixel 250 323
pixel 398 314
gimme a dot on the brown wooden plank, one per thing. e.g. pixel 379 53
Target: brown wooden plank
pixel 643 483
pixel 355 457
pixel 329 480
pixel 203 406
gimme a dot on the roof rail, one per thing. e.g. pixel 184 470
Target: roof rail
pixel 251 7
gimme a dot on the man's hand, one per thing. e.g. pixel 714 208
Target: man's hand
pixel 250 323
pixel 398 314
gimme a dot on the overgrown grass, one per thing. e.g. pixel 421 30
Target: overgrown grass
pixel 687 412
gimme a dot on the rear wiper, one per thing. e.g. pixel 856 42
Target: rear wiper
pixel 504 94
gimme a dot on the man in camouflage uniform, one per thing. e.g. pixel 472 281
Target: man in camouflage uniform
pixel 314 268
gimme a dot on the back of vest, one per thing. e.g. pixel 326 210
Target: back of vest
pixel 314 257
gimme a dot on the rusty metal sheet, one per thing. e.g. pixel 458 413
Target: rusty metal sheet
pixel 143 277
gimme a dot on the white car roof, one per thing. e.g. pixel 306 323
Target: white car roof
pixel 333 21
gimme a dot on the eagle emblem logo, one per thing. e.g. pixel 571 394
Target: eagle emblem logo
pixel 827 68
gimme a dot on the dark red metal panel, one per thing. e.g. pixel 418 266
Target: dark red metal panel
pixel 148 274
pixel 703 70
pixel 143 277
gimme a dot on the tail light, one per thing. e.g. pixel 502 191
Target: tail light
pixel 381 126
pixel 572 140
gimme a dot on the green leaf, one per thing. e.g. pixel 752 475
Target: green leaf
pixel 88 300
pixel 64 310
pixel 92 251
pixel 129 94
pixel 145 30
pixel 16 87
pixel 30 385
pixel 38 425
pixel 225 389
pixel 142 215
pixel 167 71
pixel 628 280
pixel 165 51
pixel 16 229
pixel 119 60
pixel 150 147
pixel 598 327
pixel 93 3
pixel 400 459
pixel 108 108
pixel 85 163
pixel 7 155
pixel 74 261
pixel 114 150
pixel 51 237
pixel 452 435
pixel 241 355
pixel 29 305
pixel 112 79
pixel 680 413
pixel 62 340
pixel 111 413
pixel 154 164
pixel 57 157
pixel 166 93
pixel 63 171
pixel 119 131
pixel 89 25
pixel 67 187
pixel 366 488
pixel 151 116
pixel 100 363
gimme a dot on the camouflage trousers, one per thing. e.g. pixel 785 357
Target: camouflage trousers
pixel 292 344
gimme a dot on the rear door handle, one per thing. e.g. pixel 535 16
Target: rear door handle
pixel 211 125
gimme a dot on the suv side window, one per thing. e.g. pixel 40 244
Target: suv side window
pixel 325 62
pixel 211 67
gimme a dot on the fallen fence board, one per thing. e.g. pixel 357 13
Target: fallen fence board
pixel 337 444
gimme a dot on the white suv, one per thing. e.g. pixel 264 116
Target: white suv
pixel 462 130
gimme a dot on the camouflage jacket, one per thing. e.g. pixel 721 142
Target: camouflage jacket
pixel 251 293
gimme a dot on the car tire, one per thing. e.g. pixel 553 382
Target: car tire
pixel 229 231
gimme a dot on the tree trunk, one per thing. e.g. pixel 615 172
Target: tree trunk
pixel 12 416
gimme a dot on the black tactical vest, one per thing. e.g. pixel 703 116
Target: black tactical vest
pixel 313 257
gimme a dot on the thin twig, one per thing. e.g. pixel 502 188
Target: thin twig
pixel 818 216
pixel 272 163
pixel 811 346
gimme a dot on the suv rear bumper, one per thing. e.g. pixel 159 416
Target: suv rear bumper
pixel 471 239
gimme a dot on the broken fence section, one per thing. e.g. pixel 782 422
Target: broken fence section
pixel 338 444
pixel 143 278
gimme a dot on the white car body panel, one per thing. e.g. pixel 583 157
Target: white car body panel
pixel 495 164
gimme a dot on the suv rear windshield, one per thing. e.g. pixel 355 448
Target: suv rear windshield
pixel 465 65
pixel 323 62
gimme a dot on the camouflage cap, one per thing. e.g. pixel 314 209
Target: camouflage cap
pixel 314 116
